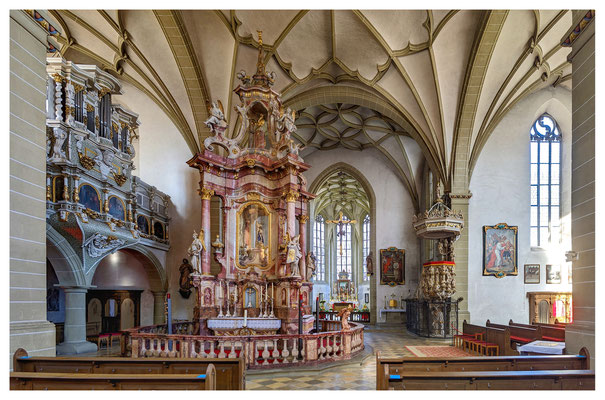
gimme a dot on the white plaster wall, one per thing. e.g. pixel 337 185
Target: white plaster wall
pixel 394 210
pixel 501 193
pixel 161 161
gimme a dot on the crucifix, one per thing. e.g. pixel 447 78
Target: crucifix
pixel 341 224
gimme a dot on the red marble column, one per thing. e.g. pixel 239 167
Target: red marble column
pixel 206 195
pixel 302 229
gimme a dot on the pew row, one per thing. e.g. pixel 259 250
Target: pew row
pixel 493 380
pixel 69 381
pixel 386 366
pixel 230 372
pixel 487 335
pixel 549 332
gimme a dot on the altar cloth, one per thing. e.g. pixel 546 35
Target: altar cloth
pixel 238 322
pixel 542 347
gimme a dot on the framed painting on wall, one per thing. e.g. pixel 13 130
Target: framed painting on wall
pixel 499 250
pixel 392 266
pixel 553 274
pixel 532 273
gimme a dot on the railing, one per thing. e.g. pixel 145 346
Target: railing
pixel 356 316
pixel 266 351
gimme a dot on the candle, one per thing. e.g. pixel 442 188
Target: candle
pixel 245 317
pixel 266 291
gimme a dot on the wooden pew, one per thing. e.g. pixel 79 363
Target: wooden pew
pixel 493 380
pixel 502 338
pixel 386 366
pixel 519 334
pixel 552 333
pixel 230 372
pixel 69 381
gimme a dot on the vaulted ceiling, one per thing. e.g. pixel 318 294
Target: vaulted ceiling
pixel 340 192
pixel 442 78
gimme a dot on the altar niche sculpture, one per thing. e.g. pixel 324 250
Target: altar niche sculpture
pixel 258 176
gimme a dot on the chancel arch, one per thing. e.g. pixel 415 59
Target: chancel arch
pixel 343 188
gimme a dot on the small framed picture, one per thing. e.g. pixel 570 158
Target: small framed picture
pixel 553 274
pixel 532 273
pixel 321 296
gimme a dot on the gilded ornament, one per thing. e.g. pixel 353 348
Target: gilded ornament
pixel 90 107
pixel 253 196
pixel 303 219
pixel 48 193
pixel 291 196
pixel 206 193
pixel 97 122
pixel 58 78
pixel 66 192
pixel 86 161
pixel 103 92
pixel 251 163
pixel 119 178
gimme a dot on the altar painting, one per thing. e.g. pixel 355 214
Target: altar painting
pixel 499 250
pixel 253 236
pixel 392 266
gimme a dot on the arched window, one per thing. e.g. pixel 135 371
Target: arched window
pixel 545 170
pixel 365 229
pixel 343 247
pixel 319 249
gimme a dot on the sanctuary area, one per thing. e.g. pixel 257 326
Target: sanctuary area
pixel 297 200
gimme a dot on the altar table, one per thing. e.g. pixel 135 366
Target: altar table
pixel 542 347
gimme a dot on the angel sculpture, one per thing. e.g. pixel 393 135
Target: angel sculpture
pixel 217 122
pixel 344 318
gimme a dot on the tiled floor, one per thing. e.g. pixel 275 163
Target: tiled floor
pixel 391 341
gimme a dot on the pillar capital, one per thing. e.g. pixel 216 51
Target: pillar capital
pixel 291 196
pixel 303 219
pixel 206 193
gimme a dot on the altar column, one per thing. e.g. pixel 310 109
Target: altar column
pixel 291 197
pixel 302 229
pixel 206 195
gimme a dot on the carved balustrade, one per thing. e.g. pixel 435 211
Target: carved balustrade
pixel 267 351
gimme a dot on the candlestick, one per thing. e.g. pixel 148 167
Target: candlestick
pixel 245 318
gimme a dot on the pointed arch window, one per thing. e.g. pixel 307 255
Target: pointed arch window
pixel 545 173
pixel 319 248
pixel 365 228
pixel 343 247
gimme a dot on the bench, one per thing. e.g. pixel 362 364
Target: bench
pixel 230 372
pixel 553 333
pixel 519 334
pixel 492 380
pixel 69 381
pixel 396 365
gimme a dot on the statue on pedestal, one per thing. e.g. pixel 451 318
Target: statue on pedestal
pixel 370 264
pixel 294 254
pixel 195 251
pixel 185 281
pixel 310 265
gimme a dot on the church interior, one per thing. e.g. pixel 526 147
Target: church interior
pixel 302 199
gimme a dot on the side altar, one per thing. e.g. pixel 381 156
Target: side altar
pixel 256 171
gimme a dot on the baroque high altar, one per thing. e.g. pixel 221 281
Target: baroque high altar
pixel 257 173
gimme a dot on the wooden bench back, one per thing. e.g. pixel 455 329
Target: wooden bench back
pixel 470 329
pixel 548 331
pixel 493 380
pixel 531 334
pixel 69 381
pixel 501 337
pixel 230 372
pixel 396 365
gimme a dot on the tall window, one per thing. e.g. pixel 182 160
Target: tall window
pixel 366 245
pixel 319 248
pixel 343 247
pixel 545 158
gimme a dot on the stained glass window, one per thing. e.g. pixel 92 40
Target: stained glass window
pixel 319 249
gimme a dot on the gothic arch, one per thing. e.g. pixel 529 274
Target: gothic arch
pixel 67 264
pixel 367 187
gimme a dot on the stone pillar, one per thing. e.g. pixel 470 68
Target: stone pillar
pixel 302 229
pixel 29 328
pixel 75 323
pixel 159 308
pixel 206 254
pixel 581 333
pixel 460 203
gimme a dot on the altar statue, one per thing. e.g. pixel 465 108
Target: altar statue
pixel 310 265
pixel 195 251
pixel 294 254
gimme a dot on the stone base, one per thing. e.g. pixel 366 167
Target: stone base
pixel 76 348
